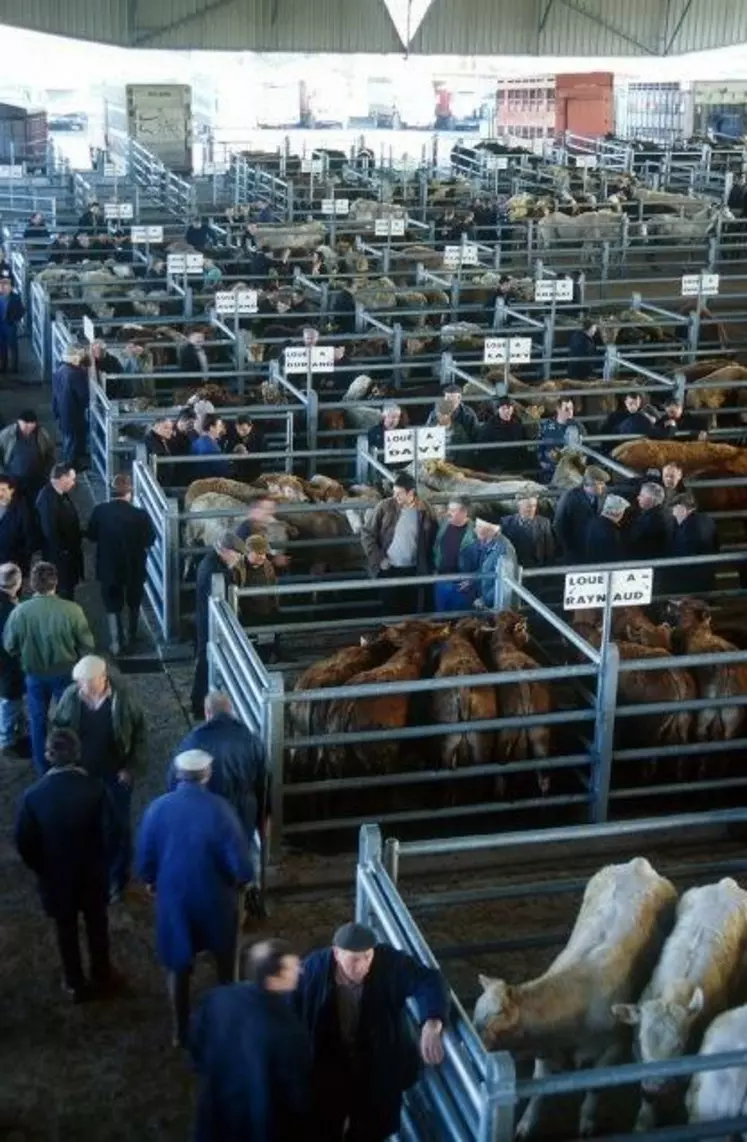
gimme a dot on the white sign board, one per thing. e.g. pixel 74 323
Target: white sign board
pixel 503 350
pixel 185 263
pixel 311 166
pixel 497 162
pixel 14 171
pixel 384 227
pixel 297 359
pixel 241 301
pixel 117 210
pixel 431 443
pixel 88 330
pixel 456 256
pixel 586 161
pixel 559 289
pixel 139 234
pixel 399 445
pixel 335 206
pixel 704 284
pixel 587 589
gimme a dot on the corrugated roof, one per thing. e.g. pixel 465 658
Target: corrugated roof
pixel 267 25
pixel 105 21
pixel 450 27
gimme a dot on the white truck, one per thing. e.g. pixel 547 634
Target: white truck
pixel 156 115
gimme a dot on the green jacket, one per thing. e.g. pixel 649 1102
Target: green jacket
pixel 128 722
pixel 48 634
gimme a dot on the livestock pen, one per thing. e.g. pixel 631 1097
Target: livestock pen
pixel 602 746
pixel 516 914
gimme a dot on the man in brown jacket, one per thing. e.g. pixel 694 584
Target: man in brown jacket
pixel 397 541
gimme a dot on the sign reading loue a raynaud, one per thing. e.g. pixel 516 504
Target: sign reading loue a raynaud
pixel 586 589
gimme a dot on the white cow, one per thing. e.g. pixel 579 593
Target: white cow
pixel 694 980
pixel 714 1095
pixel 564 1018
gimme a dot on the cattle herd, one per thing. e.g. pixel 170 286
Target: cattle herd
pixel 645 974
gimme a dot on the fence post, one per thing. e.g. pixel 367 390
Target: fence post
pixel 217 591
pixel 397 342
pixel 171 576
pixel 274 716
pixel 610 362
pixel 312 426
pixel 498 1110
pixel 604 731
pixel 369 850
pixel 548 341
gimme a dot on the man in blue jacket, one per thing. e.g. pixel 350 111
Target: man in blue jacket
pixel 238 770
pixel 208 444
pixel 352 997
pixel 193 853
pixel 11 314
pixel 70 406
pixel 253 1055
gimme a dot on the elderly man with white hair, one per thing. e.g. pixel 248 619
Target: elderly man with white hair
pixel 391 418
pixel 605 540
pixel 197 884
pixel 109 721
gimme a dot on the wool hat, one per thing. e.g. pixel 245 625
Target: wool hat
pixel 614 505
pixel 193 761
pixel 354 937
pixel 595 475
pixel 229 541
pixel 258 544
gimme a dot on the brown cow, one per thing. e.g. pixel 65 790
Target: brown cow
pixel 507 642
pixel 717 681
pixel 691 455
pixel 382 712
pixel 466 704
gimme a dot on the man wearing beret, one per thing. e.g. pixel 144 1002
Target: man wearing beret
pixel 352 999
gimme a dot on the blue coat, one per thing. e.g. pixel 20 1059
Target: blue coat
pixel 206 446
pixel 490 553
pixel 389 1061
pixel 254 1060
pixel 70 398
pixel 238 766
pixel 196 882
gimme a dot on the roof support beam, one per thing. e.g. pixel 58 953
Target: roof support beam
pixel 144 38
pixel 550 4
pixel 676 29
pixel 608 27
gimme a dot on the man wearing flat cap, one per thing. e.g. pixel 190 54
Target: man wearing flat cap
pixel 227 558
pixel 352 999
pixel 193 853
pixel 574 510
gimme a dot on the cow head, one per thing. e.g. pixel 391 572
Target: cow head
pixel 662 1027
pixel 691 614
pixel 497 1013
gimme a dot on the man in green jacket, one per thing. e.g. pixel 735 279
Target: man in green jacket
pixel 110 724
pixel 49 635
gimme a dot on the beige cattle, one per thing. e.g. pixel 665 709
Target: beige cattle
pixel 564 1017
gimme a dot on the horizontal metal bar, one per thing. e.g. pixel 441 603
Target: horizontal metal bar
pixel 572 833
pixel 625 1073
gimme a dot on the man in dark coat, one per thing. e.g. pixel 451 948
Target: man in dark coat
pixel 60 834
pixel 391 418
pixel 17 530
pixel 27 454
pixel 352 998
pixel 197 883
pixel 227 559
pixel 11 675
pixel 678 423
pixel 11 314
pixel 193 356
pixel 397 540
pixel 636 422
pixel 649 532
pixel 253 1055
pixel 461 414
pixel 198 234
pixel 70 406
pixel 239 767
pixel 583 353
pixel 694 534
pixel 573 512
pixel 123 535
pixel 530 533
pixel 343 309
pixel 605 539
pixel 61 534
pixel 105 714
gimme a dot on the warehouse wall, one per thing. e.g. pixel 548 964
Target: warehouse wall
pixel 585 104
